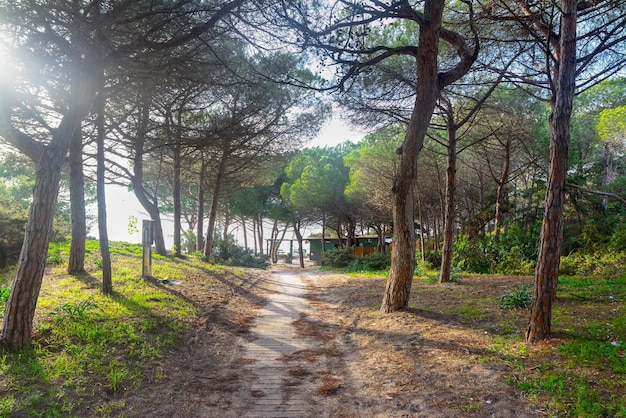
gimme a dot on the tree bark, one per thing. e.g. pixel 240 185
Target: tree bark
pixel 449 213
pixel 245 231
pixel 500 191
pixel 20 307
pixel 177 204
pixel 151 207
pixel 259 233
pixel 548 259
pixel 607 169
pixel 420 215
pixel 398 286
pixel 219 182
pixel 105 254
pixel 296 230
pixel 200 225
pixel 76 261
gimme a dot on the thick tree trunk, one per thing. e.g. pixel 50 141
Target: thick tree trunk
pixel 76 261
pixel 20 308
pixel 548 259
pixel 107 275
pixel 398 287
pixel 449 213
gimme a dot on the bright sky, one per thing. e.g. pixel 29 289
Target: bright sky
pixel 335 132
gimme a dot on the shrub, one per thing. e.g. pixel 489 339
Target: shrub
pixel 618 238
pixel 514 262
pixel 374 262
pixel 4 296
pixel 422 268
pixel 519 298
pixel 472 255
pixel 338 258
pixel 606 264
pixel 230 254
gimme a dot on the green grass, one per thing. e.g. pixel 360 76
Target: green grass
pixel 572 395
pixel 85 339
pixel 585 374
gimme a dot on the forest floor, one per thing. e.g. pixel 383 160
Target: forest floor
pixel 215 341
pixel 442 357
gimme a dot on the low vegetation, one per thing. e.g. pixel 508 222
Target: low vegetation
pixel 90 351
pixel 89 347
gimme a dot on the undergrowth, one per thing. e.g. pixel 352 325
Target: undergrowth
pixel 85 341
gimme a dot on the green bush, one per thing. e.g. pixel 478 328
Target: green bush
pixel 604 264
pixel 422 268
pixel 473 255
pixel 514 262
pixel 4 296
pixel 338 258
pixel 618 238
pixel 374 262
pixel 230 254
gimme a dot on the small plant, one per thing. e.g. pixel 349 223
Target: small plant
pixel 520 298
pixel 80 310
pixel 133 225
pixel 422 268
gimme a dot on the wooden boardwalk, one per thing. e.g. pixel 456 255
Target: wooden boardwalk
pixel 271 388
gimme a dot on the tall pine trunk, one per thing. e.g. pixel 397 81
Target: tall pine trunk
pixel 177 204
pixel 76 260
pixel 200 225
pixel 501 190
pixel 296 230
pixel 20 308
pixel 548 259
pixel 219 182
pixel 105 254
pixel 398 288
pixel 449 213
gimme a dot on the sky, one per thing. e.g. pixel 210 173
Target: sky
pixel 122 204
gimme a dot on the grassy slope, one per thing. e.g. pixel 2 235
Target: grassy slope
pixel 91 346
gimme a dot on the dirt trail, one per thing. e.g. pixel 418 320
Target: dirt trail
pixel 300 343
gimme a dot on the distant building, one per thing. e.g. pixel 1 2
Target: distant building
pixel 365 245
